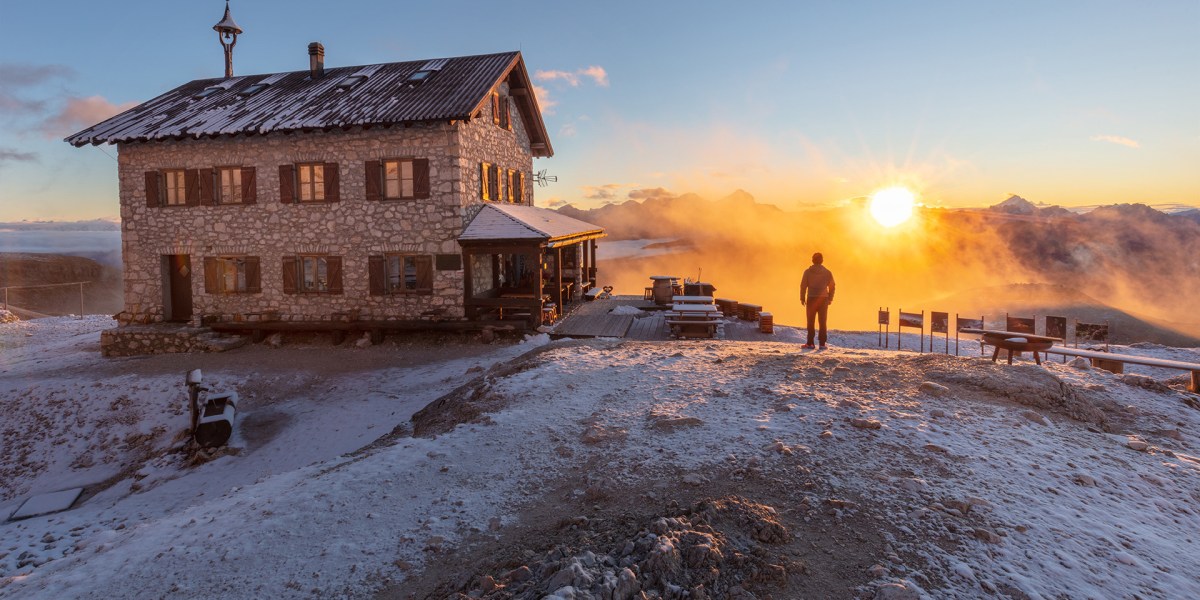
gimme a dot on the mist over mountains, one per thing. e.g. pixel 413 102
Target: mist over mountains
pixel 1130 257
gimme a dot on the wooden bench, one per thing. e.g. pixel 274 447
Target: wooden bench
pixel 1115 363
pixel 591 294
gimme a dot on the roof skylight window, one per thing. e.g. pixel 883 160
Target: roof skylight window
pixel 254 89
pixel 351 81
pixel 420 77
pixel 208 91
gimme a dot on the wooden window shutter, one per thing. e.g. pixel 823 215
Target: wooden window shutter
pixel 290 274
pixel 287 185
pixel 207 197
pixel 152 197
pixel 494 183
pixel 374 177
pixel 505 121
pixel 484 177
pixel 191 180
pixel 333 270
pixel 495 108
pixel 424 266
pixel 376 266
pixel 249 186
pixel 332 185
pixel 253 273
pixel 421 185
pixel 210 275
pixel 520 187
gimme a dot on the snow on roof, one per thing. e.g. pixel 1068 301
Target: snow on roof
pixel 296 101
pixel 517 222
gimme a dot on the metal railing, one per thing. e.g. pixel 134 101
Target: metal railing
pixel 48 285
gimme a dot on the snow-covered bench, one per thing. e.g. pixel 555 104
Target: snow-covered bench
pixel 1115 363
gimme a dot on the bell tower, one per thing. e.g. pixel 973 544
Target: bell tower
pixel 227 32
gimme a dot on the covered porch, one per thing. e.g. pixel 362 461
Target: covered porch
pixel 526 264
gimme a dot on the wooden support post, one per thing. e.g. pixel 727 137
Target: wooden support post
pixel 1194 386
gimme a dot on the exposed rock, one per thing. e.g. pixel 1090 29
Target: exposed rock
pixel 934 389
pixel 1035 416
pixel 1080 363
pixel 896 591
pixel 865 423
pixel 1136 444
pixel 986 535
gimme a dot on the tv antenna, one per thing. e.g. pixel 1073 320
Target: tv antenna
pixel 542 179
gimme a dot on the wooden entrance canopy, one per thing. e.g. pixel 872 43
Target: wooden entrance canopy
pixel 502 236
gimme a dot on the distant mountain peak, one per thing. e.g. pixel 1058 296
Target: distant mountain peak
pixel 1015 205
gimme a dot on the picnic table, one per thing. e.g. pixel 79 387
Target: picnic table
pixel 1014 341
pixel 693 320
pixel 692 299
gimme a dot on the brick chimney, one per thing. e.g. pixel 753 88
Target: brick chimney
pixel 316 60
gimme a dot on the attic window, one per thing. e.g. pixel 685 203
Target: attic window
pixel 254 89
pixel 351 81
pixel 208 91
pixel 420 77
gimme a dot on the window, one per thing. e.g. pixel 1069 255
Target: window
pixel 409 274
pixel 311 182
pixel 489 182
pixel 206 92
pixel 312 274
pixel 401 274
pixel 420 76
pixel 505 120
pixel 254 89
pixel 229 190
pixel 518 188
pixel 307 182
pixel 398 179
pixel 351 81
pixel 231 275
pixel 176 187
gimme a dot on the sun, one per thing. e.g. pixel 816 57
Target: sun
pixel 892 206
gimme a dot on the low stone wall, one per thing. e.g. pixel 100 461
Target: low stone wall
pixel 138 340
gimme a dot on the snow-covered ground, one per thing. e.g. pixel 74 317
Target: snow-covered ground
pixel 979 478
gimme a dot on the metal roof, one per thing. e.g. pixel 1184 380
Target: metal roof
pixel 297 102
pixel 514 222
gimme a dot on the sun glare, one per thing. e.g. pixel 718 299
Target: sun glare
pixel 892 206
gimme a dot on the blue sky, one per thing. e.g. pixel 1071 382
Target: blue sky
pixel 799 103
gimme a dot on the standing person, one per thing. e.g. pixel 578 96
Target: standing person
pixel 816 293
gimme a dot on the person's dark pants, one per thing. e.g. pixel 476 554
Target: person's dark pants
pixel 817 308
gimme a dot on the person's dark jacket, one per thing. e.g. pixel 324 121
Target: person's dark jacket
pixel 816 283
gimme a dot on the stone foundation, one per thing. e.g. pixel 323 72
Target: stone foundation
pixel 139 340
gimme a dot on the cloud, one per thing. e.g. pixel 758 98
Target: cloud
pixel 568 130
pixel 573 78
pixel 16 75
pixel 555 202
pixel 1116 139
pixel 647 193
pixel 607 191
pixel 598 74
pixel 545 102
pixel 80 113
pixel 8 155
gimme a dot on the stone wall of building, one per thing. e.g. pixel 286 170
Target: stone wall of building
pixel 137 340
pixel 484 141
pixel 353 228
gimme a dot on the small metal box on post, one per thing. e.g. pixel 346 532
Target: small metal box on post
pixel 212 414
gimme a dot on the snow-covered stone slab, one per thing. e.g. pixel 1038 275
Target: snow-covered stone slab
pixel 44 504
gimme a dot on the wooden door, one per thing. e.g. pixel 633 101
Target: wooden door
pixel 178 305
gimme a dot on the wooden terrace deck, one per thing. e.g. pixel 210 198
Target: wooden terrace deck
pixel 595 319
